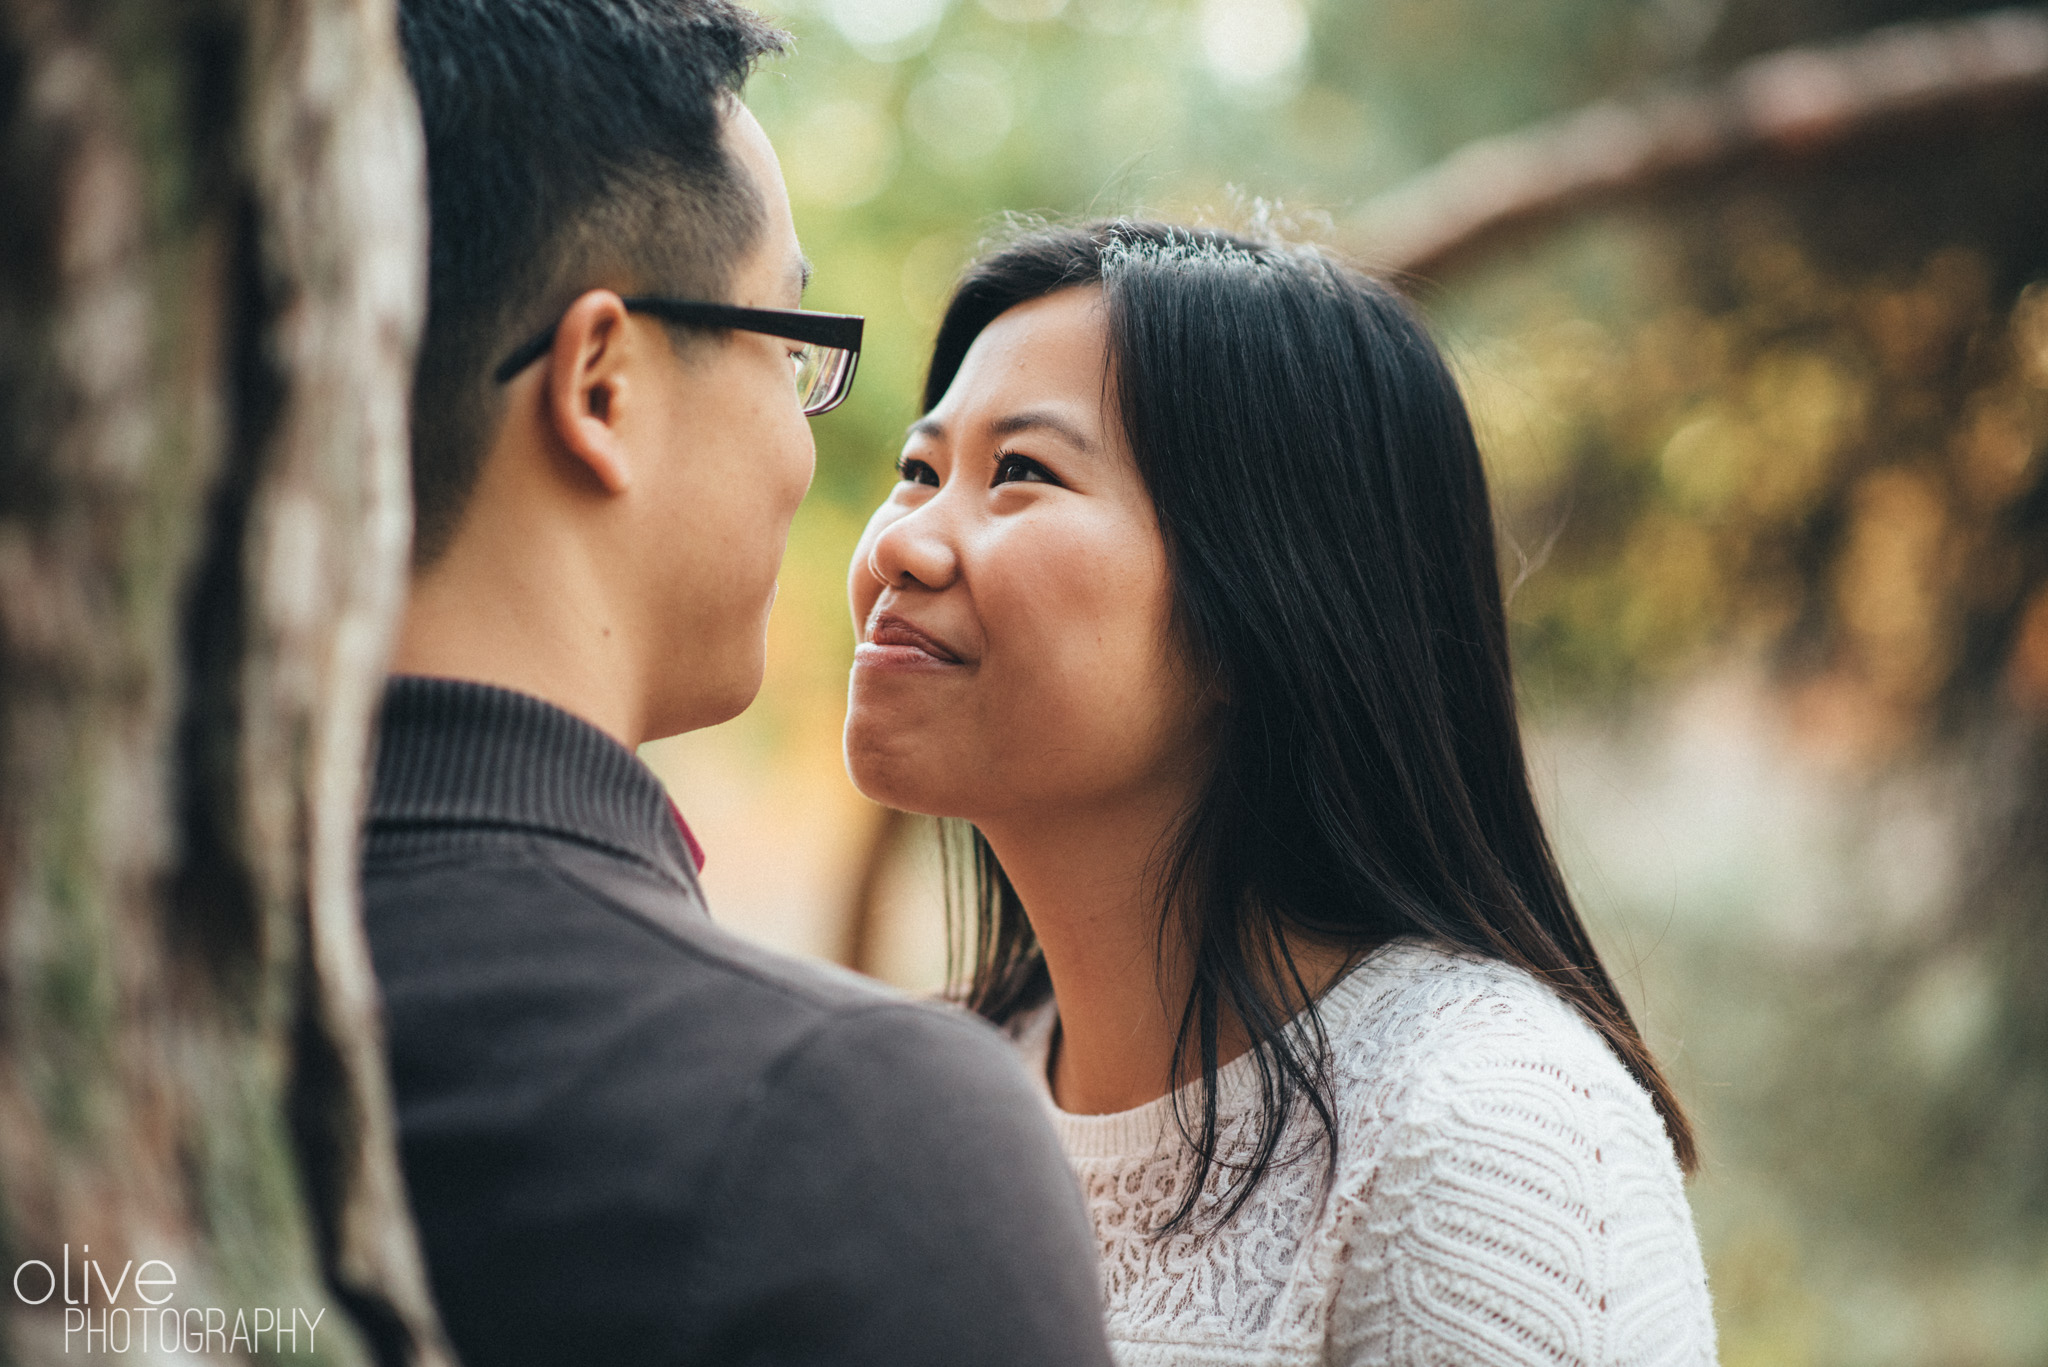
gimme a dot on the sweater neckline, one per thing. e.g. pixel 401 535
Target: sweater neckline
pixel 1147 1130
pixel 460 755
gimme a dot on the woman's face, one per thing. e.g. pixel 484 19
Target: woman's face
pixel 1011 595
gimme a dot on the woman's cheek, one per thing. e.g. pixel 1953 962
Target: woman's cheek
pixel 1070 621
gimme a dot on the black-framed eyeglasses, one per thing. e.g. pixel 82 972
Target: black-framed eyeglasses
pixel 824 367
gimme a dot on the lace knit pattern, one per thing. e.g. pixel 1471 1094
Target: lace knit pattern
pixel 1503 1193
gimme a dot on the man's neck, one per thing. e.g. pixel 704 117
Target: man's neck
pixel 470 618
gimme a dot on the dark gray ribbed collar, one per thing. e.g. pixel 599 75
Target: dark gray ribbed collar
pixel 453 754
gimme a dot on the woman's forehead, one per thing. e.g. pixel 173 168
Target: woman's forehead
pixel 1048 357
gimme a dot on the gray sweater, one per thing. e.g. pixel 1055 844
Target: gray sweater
pixel 630 1137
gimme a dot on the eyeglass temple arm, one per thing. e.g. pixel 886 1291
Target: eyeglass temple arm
pixel 841 330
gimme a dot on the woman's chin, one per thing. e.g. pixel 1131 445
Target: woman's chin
pixel 902 798
pixel 886 769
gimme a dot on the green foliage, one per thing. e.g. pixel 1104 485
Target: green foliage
pixel 1791 423
pixel 1840 470
pixel 906 143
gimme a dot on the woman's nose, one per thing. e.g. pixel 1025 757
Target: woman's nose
pixel 915 550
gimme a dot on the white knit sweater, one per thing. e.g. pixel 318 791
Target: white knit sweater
pixel 1503 1193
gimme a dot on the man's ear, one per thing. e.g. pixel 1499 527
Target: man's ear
pixel 587 383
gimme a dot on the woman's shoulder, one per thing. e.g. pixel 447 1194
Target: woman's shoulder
pixel 1434 1045
pixel 1422 1006
pixel 1491 1142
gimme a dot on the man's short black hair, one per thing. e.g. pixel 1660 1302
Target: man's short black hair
pixel 565 138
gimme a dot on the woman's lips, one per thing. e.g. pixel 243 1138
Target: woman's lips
pixel 895 643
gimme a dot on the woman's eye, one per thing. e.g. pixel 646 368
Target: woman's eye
pixel 1012 468
pixel 916 472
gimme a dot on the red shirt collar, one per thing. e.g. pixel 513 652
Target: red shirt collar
pixel 689 836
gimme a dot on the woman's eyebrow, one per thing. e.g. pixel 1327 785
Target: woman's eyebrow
pixel 1034 420
pixel 1011 425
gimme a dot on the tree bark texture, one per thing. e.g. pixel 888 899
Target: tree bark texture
pixel 211 271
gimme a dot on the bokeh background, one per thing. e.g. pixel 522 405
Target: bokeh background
pixel 1767 440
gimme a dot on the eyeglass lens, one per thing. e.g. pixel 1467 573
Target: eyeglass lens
pixel 822 373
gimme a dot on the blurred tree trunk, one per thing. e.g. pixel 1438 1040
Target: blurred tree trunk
pixel 211 259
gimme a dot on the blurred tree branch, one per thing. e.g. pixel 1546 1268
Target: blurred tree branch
pixel 1787 105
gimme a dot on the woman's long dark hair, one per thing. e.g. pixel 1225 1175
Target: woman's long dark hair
pixel 1331 547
